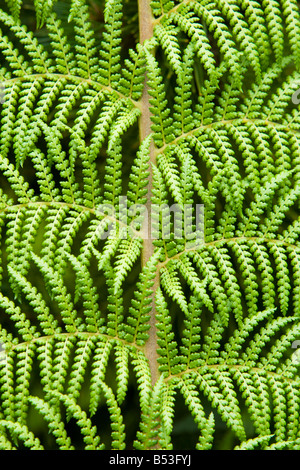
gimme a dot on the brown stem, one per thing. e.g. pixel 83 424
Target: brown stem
pixel 146 32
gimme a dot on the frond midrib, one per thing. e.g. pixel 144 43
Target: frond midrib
pixel 81 334
pixel 216 124
pixel 231 367
pixel 224 241
pixel 75 78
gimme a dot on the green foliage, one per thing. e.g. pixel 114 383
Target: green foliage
pixel 109 344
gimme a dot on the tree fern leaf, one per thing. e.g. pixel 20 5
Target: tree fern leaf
pixel 87 430
pixel 260 254
pixel 122 354
pixel 7 387
pixel 89 294
pixel 225 401
pixel 282 275
pixel 36 112
pixel 109 250
pixel 24 358
pixel 291 13
pixel 72 224
pixel 189 24
pixel 182 100
pixel 90 103
pixel 143 377
pixel 84 350
pixel 252 444
pixel 101 128
pixel 171 284
pixel 138 179
pixel 279 403
pixel 85 42
pixel 37 54
pixel 19 66
pixel 44 358
pixel 117 426
pixel 131 82
pixel 257 24
pixel 255 96
pixel 26 102
pixel 275 107
pixel 276 355
pixel 101 356
pixel 294 256
pixel 208 270
pixel 228 276
pixel 61 361
pixel 148 435
pixel 259 137
pixel 119 122
pixel 214 20
pixel 59 292
pixel 14 7
pixel 98 230
pixel 127 117
pixel 110 62
pixel 53 221
pixel 240 31
pixel 292 394
pixel 272 223
pixel 231 352
pixel 69 188
pixel 72 92
pixel 47 322
pixel 64 56
pixel 9 116
pixel 54 422
pixel 22 432
pixel 190 393
pixel 160 7
pixel 263 198
pixel 24 327
pixel 16 181
pixel 45 179
pixel 162 126
pixel 251 354
pixel 25 239
pixel 167 346
pixel 114 304
pixel 140 307
pixel 244 257
pixel 168 168
pixel 128 252
pixel 113 173
pixel 258 404
pixel 192 278
pixel 190 347
pixel 167 35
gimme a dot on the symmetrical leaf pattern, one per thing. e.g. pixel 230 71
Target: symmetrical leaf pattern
pixel 80 298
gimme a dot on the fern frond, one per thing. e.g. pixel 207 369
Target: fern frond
pixel 162 126
pixel 58 291
pixel 54 423
pixel 149 225
pixel 87 430
pixel 23 434
pixel 110 46
pixel 168 352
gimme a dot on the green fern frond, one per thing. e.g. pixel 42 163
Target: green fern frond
pixel 149 225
